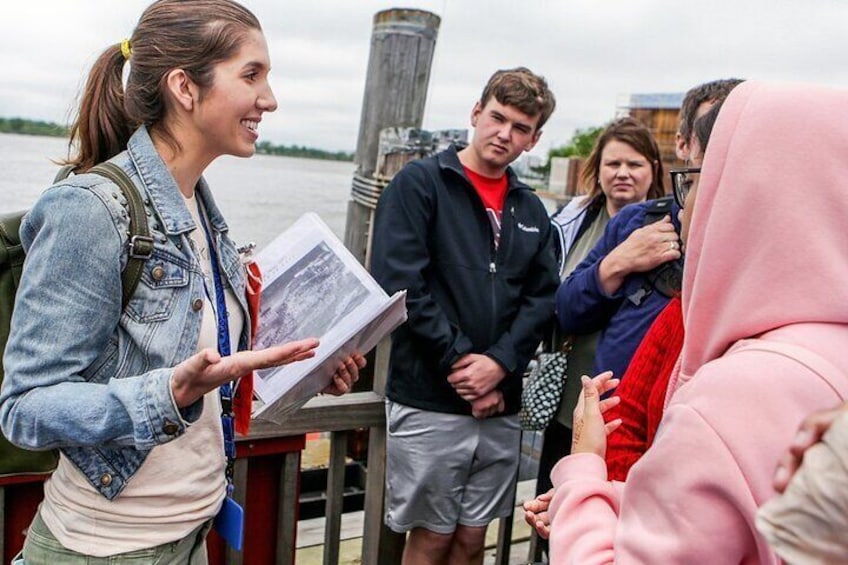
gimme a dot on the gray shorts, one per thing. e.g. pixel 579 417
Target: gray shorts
pixel 447 469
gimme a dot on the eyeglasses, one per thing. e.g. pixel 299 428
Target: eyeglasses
pixel 682 181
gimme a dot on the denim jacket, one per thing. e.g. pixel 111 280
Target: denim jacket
pixel 81 374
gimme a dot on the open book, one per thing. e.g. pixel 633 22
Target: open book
pixel 314 287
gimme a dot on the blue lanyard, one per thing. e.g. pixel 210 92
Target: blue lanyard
pixel 226 389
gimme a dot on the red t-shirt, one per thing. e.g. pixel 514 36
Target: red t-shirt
pixel 493 193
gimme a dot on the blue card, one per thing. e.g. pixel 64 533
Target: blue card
pixel 229 523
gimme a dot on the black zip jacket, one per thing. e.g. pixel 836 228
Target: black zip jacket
pixel 432 237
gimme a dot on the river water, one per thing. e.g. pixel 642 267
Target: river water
pixel 260 197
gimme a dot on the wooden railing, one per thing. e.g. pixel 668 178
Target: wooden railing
pixel 338 416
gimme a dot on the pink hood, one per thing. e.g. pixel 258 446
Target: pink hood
pixel 772 205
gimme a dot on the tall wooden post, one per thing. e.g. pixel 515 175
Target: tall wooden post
pixel 402 46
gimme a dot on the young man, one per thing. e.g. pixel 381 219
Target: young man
pixel 473 247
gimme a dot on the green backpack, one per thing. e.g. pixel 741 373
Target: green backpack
pixel 13 460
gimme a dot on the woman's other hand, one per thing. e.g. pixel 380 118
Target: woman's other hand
pixel 647 247
pixel 590 430
pixel 536 513
pixel 347 373
pixel 207 370
pixel 809 433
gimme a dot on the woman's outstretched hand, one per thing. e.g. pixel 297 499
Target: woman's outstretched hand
pixel 346 375
pixel 590 430
pixel 207 370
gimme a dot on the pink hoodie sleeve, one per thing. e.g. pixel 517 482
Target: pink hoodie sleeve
pixel 685 501
pixel 584 510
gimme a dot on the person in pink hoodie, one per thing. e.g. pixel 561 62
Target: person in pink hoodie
pixel 765 307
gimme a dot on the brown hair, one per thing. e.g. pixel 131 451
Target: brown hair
pixel 713 91
pixel 632 132
pixel 521 88
pixel 703 128
pixel 193 35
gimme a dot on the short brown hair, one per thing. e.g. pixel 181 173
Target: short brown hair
pixel 713 91
pixel 521 88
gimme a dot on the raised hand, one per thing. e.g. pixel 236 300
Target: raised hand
pixel 590 430
pixel 207 370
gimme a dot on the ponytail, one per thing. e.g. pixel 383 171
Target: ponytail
pixel 102 127
pixel 171 34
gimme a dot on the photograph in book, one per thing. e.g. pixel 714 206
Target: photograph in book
pixel 305 300
pixel 312 286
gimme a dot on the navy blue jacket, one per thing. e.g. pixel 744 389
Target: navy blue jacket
pixel 432 237
pixel 582 307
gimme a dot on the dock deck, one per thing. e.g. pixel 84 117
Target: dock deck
pixel 310 533
pixel 310 536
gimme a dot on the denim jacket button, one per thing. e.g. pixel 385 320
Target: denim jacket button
pixel 105 479
pixel 170 427
pixel 197 305
pixel 158 273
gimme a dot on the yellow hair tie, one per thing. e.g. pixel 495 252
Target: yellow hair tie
pixel 126 50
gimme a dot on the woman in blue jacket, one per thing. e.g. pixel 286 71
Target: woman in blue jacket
pixel 623 168
pixel 131 395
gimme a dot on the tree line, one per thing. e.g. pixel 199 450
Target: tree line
pixel 32 127
pixel 37 127
pixel 580 144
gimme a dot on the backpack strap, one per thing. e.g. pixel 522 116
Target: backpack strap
pixel 667 279
pixel 139 244
pixel 63 173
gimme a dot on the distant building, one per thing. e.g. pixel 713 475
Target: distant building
pixel 658 112
pixel 524 166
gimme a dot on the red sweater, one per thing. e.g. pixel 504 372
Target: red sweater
pixel 642 391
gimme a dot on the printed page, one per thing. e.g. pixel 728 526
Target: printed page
pixel 314 287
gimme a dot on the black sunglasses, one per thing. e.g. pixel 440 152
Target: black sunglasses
pixel 681 181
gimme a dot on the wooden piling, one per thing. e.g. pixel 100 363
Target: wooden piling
pixel 402 46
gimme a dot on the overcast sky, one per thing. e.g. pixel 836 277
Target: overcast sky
pixel 594 53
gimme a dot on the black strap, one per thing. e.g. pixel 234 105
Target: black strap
pixel 657 209
pixel 667 279
pixel 139 244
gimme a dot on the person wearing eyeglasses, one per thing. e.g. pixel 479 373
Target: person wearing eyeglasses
pixel 764 346
pixel 614 289
pixel 619 171
pixel 643 387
